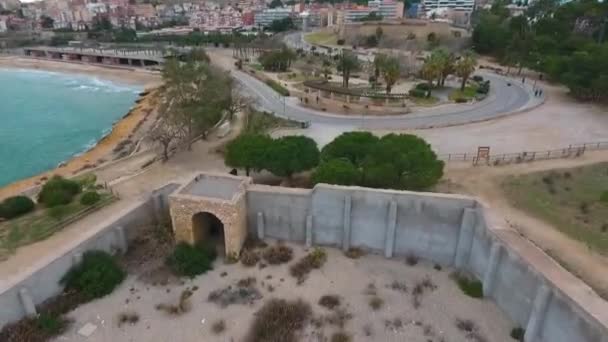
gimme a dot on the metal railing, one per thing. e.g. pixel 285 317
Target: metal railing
pixel 571 151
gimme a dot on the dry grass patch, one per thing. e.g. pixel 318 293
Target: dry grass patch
pixel 278 254
pixel 421 287
pixel 182 306
pixel 376 303
pixel 128 318
pixel 218 327
pixel 330 301
pixel 354 253
pixel 279 320
pixel 249 258
pixel 313 260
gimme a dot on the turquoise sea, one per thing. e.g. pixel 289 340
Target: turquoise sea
pixel 49 117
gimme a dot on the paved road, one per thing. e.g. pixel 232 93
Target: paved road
pixel 502 100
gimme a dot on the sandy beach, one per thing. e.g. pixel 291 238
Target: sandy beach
pixel 129 127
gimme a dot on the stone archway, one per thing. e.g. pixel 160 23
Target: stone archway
pixel 208 229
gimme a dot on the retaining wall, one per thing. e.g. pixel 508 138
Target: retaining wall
pixel 458 231
pixel 19 296
pixel 536 293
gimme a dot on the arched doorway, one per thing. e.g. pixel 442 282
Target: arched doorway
pixel 208 229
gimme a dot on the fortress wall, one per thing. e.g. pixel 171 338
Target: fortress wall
pixel 458 231
pixel 41 281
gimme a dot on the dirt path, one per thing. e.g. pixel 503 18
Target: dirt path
pixel 575 256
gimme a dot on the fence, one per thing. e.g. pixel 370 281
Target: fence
pixel 572 151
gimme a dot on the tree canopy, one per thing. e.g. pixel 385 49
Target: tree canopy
pixel 565 42
pixel 248 151
pixel 394 161
pixel 292 154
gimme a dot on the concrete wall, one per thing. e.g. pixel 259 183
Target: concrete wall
pixel 532 289
pixel 42 282
pixel 535 292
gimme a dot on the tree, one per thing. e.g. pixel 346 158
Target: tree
pixel 46 22
pixel 337 171
pixel 292 154
pixel 351 146
pixel 405 160
pixel 281 25
pixel 195 97
pixel 275 4
pixel 379 60
pixel 391 71
pixel 465 67
pixel 278 60
pixel 348 63
pixel 166 134
pixel 248 151
pixel 431 69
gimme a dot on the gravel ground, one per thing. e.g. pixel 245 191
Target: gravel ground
pixel 397 320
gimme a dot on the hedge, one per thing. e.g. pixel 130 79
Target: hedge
pixel 417 92
pixel 90 198
pixel 277 87
pixel 423 86
pixel 97 275
pixel 58 191
pixel 16 206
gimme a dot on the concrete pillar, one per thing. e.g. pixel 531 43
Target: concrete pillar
pixel 491 269
pixel 347 98
pixel 260 225
pixel 346 228
pixel 120 238
pixel 465 238
pixel 157 203
pixel 537 316
pixel 309 231
pixel 389 239
pixel 27 302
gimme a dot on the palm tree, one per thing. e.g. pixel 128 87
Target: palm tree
pixel 379 60
pixel 391 71
pixel 348 62
pixel 431 69
pixel 465 67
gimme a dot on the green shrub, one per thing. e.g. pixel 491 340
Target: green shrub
pixel 87 181
pixel 277 87
pixel 90 198
pixel 423 86
pixel 190 261
pixel 337 171
pixel 461 100
pixel 51 325
pixel 471 287
pixel 417 93
pixel 518 334
pixel 58 191
pixel 16 206
pixel 96 276
pixel 604 197
pixel 58 212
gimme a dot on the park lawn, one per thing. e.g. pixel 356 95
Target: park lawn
pixel 468 93
pixel 424 101
pixel 262 122
pixel 322 38
pixel 567 199
pixel 40 224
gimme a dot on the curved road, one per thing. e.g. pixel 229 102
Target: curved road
pixel 502 100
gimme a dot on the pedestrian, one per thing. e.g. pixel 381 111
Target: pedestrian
pixel 540 93
pixel 535 93
pixel 523 80
pixel 317 98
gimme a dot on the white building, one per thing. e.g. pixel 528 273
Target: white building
pixel 457 5
pixel 267 16
pixel 388 9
